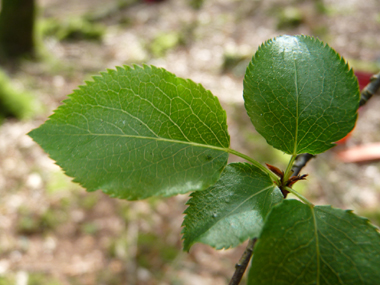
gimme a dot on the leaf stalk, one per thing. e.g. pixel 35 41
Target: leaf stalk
pixel 255 163
pixel 298 195
pixel 288 171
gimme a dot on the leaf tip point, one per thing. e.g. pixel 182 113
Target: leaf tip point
pixel 139 67
pixel 95 78
pixel 186 248
pixel 120 68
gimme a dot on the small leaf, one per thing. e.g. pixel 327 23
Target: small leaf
pixel 138 132
pixel 300 244
pixel 300 95
pixel 232 210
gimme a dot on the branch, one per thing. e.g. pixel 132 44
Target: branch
pixel 370 89
pixel 241 266
pixel 301 161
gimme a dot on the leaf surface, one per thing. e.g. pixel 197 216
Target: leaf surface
pixel 138 132
pixel 232 210
pixel 301 244
pixel 300 95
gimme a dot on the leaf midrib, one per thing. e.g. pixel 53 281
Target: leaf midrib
pixel 225 149
pixel 238 206
pixel 297 97
pixel 190 143
pixel 316 245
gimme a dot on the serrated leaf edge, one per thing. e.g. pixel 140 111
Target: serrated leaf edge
pixel 189 203
pixel 137 67
pixel 348 70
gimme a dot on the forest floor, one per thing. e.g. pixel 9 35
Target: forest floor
pixel 53 232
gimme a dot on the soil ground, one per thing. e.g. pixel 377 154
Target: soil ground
pixel 53 232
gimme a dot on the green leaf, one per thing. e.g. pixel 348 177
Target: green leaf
pixel 300 95
pixel 302 244
pixel 138 132
pixel 232 210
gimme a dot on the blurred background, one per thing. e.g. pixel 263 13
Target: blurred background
pixel 52 231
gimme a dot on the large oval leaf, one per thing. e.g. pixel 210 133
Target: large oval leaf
pixel 300 244
pixel 232 210
pixel 138 132
pixel 300 95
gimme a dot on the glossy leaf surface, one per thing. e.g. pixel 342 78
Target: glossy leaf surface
pixel 300 244
pixel 138 132
pixel 232 210
pixel 300 95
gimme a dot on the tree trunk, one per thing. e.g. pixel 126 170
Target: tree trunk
pixel 17 28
